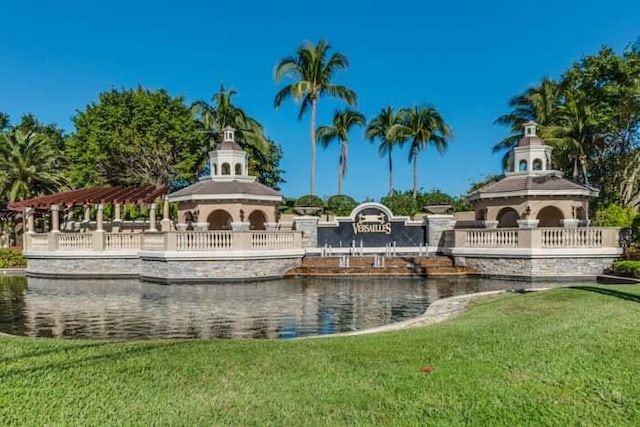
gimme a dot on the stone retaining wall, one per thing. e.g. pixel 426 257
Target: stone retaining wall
pixel 538 268
pixel 199 270
pixel 83 266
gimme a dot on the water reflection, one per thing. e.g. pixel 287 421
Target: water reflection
pixel 129 309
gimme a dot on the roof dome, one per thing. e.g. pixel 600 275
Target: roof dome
pixel 228 141
pixel 530 138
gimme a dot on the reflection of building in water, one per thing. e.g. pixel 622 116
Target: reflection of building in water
pixel 129 309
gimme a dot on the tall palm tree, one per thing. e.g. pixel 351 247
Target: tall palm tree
pixel 423 126
pixel 343 122
pixel 312 70
pixel 537 103
pixel 27 166
pixel 386 127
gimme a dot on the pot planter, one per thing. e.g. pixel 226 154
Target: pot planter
pixel 437 209
pixel 307 210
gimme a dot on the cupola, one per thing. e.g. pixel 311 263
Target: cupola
pixel 532 155
pixel 228 161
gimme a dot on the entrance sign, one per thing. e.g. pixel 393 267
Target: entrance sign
pixel 371 225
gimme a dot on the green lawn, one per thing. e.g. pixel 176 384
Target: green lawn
pixel 566 356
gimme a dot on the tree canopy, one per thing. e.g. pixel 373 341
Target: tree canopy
pixel 134 137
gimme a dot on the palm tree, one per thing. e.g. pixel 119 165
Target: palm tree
pixel 343 122
pixel 312 71
pixel 423 126
pixel 386 127
pixel 573 135
pixel 27 166
pixel 221 113
pixel 538 104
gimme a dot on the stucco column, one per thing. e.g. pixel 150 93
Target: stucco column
pixel 309 227
pixel 152 217
pixel 165 224
pixel 436 226
pixel 99 218
pixel 87 213
pixel 117 221
pixel 30 213
pixel 55 218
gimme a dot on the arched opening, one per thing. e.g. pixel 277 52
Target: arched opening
pixel 550 216
pixel 238 169
pixel 226 169
pixel 507 217
pixel 219 220
pixel 257 220
pixel 189 220
pixel 537 165
pixel 522 166
pixel 215 169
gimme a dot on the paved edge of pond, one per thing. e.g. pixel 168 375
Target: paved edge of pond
pixel 14 271
pixel 438 311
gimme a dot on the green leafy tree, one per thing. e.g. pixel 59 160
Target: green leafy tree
pixel 312 70
pixel 4 121
pixel 343 122
pixel 614 216
pixel 28 166
pixel 134 137
pixel 386 127
pixel 423 126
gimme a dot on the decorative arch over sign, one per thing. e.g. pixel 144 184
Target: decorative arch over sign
pixel 369 205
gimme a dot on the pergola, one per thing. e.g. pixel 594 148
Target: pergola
pixel 96 196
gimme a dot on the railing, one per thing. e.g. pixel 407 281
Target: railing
pixel 572 237
pixel 492 238
pixel 123 241
pixel 74 241
pixel 272 240
pixel 204 240
pixel 546 238
pixel 196 241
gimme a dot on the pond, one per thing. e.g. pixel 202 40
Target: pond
pixel 288 308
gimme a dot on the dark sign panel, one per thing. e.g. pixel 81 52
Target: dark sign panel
pixel 371 226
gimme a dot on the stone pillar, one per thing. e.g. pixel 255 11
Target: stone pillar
pixel 99 218
pixel 528 223
pixel 570 223
pixel 152 217
pixel 165 224
pixel 240 226
pixel 309 227
pixel 55 218
pixel 30 213
pixel 200 226
pixel 87 213
pixel 117 218
pixel 436 226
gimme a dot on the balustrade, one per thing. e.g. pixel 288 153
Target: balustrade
pixel 123 241
pixel 74 241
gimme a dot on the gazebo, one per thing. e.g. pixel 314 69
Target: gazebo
pixel 228 198
pixel 532 194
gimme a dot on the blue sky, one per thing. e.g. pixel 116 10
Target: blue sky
pixel 467 58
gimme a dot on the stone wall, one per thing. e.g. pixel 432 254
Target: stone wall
pixel 538 268
pixel 436 226
pixel 83 266
pixel 198 270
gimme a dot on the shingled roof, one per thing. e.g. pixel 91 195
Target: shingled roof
pixel 211 190
pixel 552 183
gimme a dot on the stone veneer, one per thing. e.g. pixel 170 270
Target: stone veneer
pixel 83 266
pixel 166 270
pixel 538 268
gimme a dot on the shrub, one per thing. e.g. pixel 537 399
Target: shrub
pixel 341 205
pixel 10 258
pixel 614 216
pixel 401 204
pixel 627 268
pixel 310 200
pixel 631 254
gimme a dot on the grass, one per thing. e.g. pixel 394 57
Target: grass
pixel 560 357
